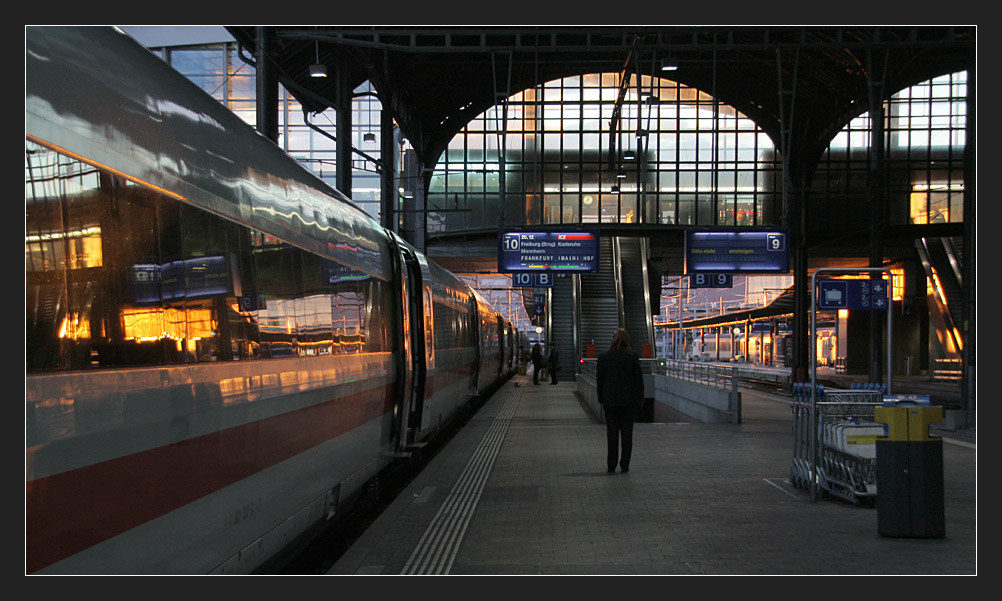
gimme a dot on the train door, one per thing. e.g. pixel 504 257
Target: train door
pixel 413 364
pixel 500 332
pixel 479 345
pixel 405 353
pixel 422 310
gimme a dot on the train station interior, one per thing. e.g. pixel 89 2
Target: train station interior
pixel 856 142
pixel 788 208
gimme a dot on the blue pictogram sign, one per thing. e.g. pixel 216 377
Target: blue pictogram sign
pixel 863 295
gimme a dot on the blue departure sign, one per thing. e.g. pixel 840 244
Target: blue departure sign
pixel 525 251
pixel 737 252
pixel 865 295
pixel 528 279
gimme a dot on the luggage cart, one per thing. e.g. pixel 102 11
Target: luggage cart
pixel 845 441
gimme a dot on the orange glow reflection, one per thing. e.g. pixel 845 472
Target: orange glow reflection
pixel 155 323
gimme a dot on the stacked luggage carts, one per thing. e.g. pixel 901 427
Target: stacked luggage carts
pixel 845 440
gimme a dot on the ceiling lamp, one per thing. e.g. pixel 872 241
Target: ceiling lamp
pixel 368 137
pixel 669 64
pixel 318 69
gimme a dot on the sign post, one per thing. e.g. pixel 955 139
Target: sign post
pixel 868 295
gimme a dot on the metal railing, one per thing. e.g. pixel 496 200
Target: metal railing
pixel 716 376
pixel 947 370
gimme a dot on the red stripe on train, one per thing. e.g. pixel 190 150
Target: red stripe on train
pixel 69 512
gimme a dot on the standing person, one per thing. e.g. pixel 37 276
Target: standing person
pixel 537 362
pixel 553 364
pixel 620 385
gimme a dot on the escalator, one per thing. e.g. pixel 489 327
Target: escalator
pixel 941 259
pixel 598 301
pixel 635 301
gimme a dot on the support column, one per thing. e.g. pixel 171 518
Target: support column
pixel 343 113
pixel 387 176
pixel 877 198
pixel 800 353
pixel 266 81
pixel 421 198
pixel 968 315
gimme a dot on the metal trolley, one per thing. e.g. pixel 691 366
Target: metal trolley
pixel 843 451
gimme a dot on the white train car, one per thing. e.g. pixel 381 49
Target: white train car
pixel 220 349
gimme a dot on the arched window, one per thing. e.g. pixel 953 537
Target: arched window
pixel 677 156
pixel 925 134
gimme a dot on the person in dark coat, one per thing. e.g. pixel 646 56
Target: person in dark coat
pixel 553 364
pixel 537 362
pixel 620 385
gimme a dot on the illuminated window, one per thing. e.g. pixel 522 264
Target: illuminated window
pixel 695 160
pixel 925 133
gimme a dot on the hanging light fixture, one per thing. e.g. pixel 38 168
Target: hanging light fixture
pixel 669 64
pixel 318 69
pixel 368 137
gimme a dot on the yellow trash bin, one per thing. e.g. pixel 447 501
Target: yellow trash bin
pixel 909 472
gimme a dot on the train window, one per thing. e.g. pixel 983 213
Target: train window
pixel 118 274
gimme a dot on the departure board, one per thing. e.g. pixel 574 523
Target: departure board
pixel 737 252
pixel 569 252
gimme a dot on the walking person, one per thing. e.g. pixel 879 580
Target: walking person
pixel 537 362
pixel 620 386
pixel 553 364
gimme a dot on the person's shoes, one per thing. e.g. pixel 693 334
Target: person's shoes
pixel 624 469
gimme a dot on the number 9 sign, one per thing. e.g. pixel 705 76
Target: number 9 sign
pixel 775 242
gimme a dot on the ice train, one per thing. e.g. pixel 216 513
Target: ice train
pixel 220 349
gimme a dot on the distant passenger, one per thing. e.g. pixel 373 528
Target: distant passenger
pixel 553 364
pixel 537 362
pixel 620 385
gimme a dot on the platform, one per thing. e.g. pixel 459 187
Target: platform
pixel 523 490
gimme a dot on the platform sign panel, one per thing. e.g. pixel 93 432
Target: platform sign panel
pixel 858 295
pixel 528 251
pixel 528 279
pixel 711 280
pixel 737 252
pixel 540 303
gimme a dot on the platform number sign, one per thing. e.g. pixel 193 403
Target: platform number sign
pixel 511 242
pixel 775 242
pixel 711 280
pixel 532 280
